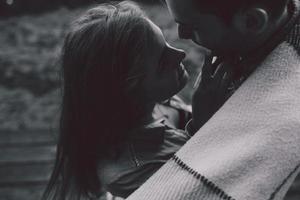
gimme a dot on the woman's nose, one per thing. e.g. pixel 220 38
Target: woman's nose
pixel 185 32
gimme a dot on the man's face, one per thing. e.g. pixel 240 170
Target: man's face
pixel 204 29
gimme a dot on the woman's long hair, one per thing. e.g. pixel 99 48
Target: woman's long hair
pixel 99 51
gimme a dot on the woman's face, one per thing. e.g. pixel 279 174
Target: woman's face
pixel 165 74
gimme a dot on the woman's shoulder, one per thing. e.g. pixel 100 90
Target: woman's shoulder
pixel 110 168
pixel 124 174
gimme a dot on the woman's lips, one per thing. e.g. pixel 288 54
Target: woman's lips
pixel 181 71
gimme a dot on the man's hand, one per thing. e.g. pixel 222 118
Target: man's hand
pixel 212 92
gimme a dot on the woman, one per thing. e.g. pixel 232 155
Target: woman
pixel 117 67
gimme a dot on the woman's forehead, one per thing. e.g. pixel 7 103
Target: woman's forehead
pixel 157 31
pixel 158 39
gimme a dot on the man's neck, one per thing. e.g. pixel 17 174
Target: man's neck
pixel 283 18
pixel 287 31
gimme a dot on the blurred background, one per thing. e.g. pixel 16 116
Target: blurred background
pixel 31 35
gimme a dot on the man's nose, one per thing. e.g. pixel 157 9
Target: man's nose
pixel 185 32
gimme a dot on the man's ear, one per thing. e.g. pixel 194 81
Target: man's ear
pixel 252 20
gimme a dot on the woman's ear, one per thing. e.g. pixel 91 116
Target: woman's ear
pixel 131 86
pixel 253 20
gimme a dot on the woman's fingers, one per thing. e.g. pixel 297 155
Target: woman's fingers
pixel 220 70
pixel 225 85
pixel 220 81
pixel 207 69
pixel 212 91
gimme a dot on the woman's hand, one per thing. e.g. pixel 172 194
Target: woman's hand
pixel 212 91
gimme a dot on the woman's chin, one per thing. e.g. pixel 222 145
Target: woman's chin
pixel 183 80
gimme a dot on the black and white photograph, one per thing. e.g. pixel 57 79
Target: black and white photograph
pixel 149 100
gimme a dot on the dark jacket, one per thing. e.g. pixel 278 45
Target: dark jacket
pixel 146 150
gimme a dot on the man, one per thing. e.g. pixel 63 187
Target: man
pixel 249 149
pixel 246 30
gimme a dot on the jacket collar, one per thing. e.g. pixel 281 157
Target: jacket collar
pixel 293 38
pixel 152 132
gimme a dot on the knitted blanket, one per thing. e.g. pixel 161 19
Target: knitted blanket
pixel 249 150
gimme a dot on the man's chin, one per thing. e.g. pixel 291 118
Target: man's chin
pixel 209 50
pixel 222 53
pixel 218 52
pixel 205 51
pixel 203 48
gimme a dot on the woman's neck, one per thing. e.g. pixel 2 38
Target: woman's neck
pixel 147 116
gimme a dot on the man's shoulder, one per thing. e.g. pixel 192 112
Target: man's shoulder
pixel 285 55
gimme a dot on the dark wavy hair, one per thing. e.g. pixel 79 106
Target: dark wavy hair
pixel 100 51
pixel 226 9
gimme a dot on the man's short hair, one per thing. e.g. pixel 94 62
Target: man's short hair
pixel 227 8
